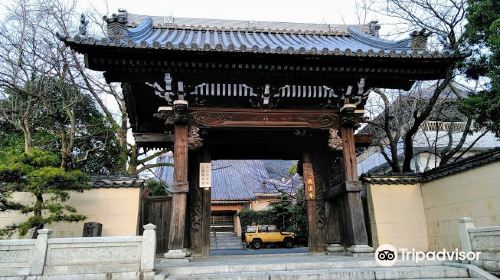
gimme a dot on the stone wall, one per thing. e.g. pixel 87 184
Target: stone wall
pixel 482 239
pixel 117 209
pixel 128 257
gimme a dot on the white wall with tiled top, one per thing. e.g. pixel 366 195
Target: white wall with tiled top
pixel 117 209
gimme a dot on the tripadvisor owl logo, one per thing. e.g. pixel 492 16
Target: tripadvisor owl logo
pixel 386 255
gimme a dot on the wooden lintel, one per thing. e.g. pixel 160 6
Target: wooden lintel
pixel 153 139
pixel 263 118
pixel 363 139
pixel 348 186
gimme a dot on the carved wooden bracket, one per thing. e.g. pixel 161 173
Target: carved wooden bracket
pixel 194 139
pixel 177 114
pixel 351 116
pixel 334 140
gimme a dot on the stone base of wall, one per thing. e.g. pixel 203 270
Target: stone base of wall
pixel 89 276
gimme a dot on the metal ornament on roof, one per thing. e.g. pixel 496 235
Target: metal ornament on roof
pixel 117 25
pixel 374 28
pixel 83 25
pixel 419 39
pixel 252 25
pixel 168 20
pixel 333 27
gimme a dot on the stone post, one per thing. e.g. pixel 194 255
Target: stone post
pixel 464 224
pixel 148 248
pixel 40 252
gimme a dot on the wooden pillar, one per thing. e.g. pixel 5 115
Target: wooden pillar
pixel 179 188
pixel 349 153
pixel 353 216
pixel 311 166
pixel 180 185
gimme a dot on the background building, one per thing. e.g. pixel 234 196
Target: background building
pixel 242 184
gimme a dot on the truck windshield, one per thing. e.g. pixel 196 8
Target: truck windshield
pixel 251 229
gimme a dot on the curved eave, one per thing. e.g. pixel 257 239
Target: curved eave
pixel 88 44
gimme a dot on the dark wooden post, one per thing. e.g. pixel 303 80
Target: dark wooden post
pixel 180 186
pixel 313 180
pixel 353 220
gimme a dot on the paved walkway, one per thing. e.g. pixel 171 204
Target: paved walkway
pixel 271 251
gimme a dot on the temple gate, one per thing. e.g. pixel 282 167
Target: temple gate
pixel 220 89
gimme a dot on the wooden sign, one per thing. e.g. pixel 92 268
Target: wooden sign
pixel 310 188
pixel 205 175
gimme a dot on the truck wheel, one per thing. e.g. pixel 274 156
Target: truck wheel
pixel 288 243
pixel 257 244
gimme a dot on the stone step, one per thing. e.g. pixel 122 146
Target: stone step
pixel 237 240
pixel 290 262
pixel 224 233
pixel 225 241
pixel 224 247
pixel 432 272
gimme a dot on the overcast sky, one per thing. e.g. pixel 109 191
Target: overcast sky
pixel 316 11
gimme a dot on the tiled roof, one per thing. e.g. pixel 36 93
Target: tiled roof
pixel 436 173
pixel 184 34
pixel 376 161
pixel 116 182
pixel 238 180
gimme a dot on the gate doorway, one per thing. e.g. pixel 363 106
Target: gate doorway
pixel 226 98
pixel 223 221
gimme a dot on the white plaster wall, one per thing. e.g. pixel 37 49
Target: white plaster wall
pixel 473 193
pixel 116 208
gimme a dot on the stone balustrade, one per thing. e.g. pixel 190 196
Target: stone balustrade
pixel 128 257
pixel 481 239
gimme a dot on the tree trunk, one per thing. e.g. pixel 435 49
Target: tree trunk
pixel 28 142
pixel 132 164
pixel 122 142
pixel 38 215
pixel 419 118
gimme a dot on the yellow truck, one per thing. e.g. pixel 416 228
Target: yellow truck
pixel 258 235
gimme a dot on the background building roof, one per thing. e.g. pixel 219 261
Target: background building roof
pixel 243 180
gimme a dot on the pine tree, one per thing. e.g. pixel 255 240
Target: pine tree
pixel 40 174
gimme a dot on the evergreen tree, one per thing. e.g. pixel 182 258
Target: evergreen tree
pixel 482 37
pixel 40 174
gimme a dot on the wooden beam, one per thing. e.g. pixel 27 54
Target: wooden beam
pixel 348 186
pixel 263 118
pixel 363 139
pixel 145 138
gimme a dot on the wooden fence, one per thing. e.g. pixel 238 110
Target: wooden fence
pixel 156 210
